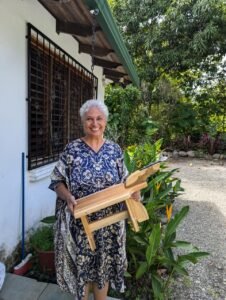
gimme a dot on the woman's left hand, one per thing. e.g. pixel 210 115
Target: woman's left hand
pixel 136 196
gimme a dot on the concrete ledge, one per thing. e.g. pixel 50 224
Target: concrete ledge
pixel 23 288
pixel 41 172
pixel 53 292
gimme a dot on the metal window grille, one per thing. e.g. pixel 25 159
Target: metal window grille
pixel 57 87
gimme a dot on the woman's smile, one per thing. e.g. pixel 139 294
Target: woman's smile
pixel 94 122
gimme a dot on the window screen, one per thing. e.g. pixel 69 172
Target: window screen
pixel 57 87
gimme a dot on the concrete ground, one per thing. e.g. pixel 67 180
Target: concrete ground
pixel 23 288
pixel 204 182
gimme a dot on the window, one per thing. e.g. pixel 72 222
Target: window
pixel 57 86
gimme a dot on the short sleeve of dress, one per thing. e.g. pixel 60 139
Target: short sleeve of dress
pixel 60 171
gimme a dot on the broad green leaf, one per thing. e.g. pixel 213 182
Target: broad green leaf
pixel 135 250
pixel 169 254
pixel 133 258
pixel 158 144
pixel 161 177
pixel 192 257
pixel 143 268
pixel 127 275
pixel 49 220
pixel 200 254
pixel 172 225
pixel 177 186
pixel 165 192
pixel 165 261
pixel 162 259
pixel 186 258
pixel 154 241
pixel 180 270
pixel 130 164
pixel 183 245
pixel 140 240
pixel 156 285
pixel 168 240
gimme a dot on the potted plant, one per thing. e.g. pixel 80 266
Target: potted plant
pixel 42 241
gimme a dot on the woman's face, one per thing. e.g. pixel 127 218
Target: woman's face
pixel 94 122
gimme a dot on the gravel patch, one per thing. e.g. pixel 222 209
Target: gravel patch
pixel 205 227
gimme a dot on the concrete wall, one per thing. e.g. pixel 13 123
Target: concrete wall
pixel 14 15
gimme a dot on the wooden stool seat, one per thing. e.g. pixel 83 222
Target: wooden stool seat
pixel 118 193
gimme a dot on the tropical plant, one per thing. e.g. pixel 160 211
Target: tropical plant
pixel 152 260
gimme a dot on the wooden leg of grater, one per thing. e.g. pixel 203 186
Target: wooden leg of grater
pixel 139 211
pixel 88 232
pixel 131 214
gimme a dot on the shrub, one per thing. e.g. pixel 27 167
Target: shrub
pixel 128 119
pixel 152 261
pixel 42 239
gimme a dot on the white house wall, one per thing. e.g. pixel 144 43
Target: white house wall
pixel 14 15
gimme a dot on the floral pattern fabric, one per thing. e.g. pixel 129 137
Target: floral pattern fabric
pixel 84 172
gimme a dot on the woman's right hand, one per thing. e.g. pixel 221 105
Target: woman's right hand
pixel 65 194
pixel 71 202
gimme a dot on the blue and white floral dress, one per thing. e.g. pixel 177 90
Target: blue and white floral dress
pixel 84 172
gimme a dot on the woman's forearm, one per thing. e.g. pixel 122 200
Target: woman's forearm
pixel 62 191
pixel 64 194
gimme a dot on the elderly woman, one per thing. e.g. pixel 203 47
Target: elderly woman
pixel 87 165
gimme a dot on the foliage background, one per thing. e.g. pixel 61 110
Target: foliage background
pixel 178 47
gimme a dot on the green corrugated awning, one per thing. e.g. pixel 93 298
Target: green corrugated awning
pixel 106 20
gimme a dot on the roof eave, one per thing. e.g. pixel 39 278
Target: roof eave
pixel 109 27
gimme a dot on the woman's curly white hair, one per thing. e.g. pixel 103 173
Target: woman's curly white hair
pixel 99 104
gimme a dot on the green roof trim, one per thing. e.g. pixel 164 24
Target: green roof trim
pixel 109 27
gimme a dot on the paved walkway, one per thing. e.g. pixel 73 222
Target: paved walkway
pixel 23 288
pixel 205 227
